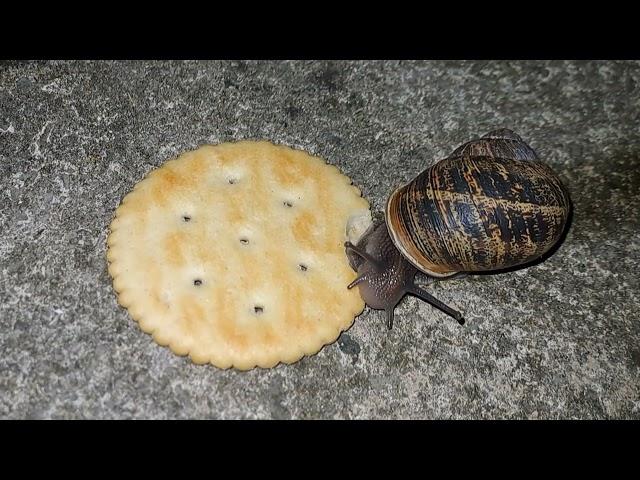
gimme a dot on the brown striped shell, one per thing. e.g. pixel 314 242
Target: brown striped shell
pixel 490 205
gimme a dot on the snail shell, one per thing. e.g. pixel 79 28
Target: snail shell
pixel 490 205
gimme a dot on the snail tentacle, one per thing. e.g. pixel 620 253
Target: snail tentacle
pixel 364 255
pixel 358 280
pixel 390 317
pixel 422 294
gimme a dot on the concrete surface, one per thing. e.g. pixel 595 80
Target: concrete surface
pixel 557 340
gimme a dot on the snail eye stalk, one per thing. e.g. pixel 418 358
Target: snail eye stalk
pixel 427 297
pixel 364 255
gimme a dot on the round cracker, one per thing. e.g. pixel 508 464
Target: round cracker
pixel 234 254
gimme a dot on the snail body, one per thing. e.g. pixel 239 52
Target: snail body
pixel 490 205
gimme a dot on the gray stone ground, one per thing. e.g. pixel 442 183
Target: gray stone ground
pixel 556 340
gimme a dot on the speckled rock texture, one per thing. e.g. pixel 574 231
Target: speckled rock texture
pixel 560 339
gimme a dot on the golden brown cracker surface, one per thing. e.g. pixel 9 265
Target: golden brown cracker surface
pixel 233 254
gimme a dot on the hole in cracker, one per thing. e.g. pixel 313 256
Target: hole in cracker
pixel 186 218
pixel 258 309
pixel 232 180
pixel 302 267
pixel 197 282
pixel 287 204
pixel 244 241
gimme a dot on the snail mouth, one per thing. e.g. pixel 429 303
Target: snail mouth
pixel 401 238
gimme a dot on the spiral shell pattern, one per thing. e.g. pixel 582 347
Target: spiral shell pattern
pixel 490 205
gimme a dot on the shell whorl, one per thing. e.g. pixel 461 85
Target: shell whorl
pixel 489 205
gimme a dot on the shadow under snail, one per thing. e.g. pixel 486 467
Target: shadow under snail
pixel 490 205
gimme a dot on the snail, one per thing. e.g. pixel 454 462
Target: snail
pixel 489 206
